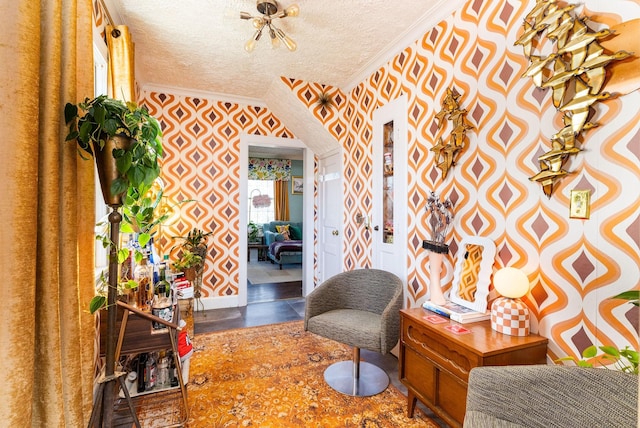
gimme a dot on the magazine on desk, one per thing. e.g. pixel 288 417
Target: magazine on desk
pixel 456 312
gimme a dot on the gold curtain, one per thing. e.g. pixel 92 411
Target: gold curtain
pixel 47 216
pixel 121 63
pixel 281 200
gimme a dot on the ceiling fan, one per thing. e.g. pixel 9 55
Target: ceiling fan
pixel 268 12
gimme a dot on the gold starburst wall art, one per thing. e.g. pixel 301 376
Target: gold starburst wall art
pixel 448 151
pixel 575 71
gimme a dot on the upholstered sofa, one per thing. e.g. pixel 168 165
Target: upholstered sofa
pixel 547 396
pixel 283 251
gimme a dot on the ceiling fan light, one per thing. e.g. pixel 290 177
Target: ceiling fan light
pixel 293 10
pixel 288 42
pixel 251 43
pixel 275 41
pixel 257 23
pixel 266 7
pixel 268 13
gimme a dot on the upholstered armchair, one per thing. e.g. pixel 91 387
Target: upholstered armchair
pixel 361 309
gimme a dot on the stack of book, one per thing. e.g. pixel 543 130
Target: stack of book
pixel 456 312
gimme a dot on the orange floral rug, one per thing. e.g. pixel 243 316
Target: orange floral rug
pixel 272 376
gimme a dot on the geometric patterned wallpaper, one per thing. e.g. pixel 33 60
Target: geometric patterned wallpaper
pixel 573 265
pixel 201 162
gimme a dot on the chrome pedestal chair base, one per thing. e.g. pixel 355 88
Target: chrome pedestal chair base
pixel 356 378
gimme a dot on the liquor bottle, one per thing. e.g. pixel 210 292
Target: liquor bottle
pixel 161 306
pixel 144 277
pixel 126 274
pixel 173 371
pixel 150 371
pixel 142 364
pixel 162 379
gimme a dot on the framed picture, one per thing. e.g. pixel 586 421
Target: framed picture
pixel 296 185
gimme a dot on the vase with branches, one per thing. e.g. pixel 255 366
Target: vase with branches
pixel 439 217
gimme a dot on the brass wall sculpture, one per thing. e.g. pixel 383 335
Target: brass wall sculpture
pixel 575 72
pixel 447 153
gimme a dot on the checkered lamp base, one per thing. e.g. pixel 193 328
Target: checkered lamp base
pixel 510 316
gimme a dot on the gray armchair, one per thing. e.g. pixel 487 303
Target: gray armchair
pixel 361 309
pixel 551 396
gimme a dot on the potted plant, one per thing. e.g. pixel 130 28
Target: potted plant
pixel 187 264
pixel 253 232
pixel 124 139
pixel 195 241
pixel 623 359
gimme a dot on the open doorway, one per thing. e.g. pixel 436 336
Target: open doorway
pixel 270 202
pixel 282 148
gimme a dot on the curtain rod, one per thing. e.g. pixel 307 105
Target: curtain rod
pixel 107 14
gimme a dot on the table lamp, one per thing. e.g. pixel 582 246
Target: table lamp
pixel 509 314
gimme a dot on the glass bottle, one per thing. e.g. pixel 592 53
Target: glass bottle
pixel 143 274
pixel 150 369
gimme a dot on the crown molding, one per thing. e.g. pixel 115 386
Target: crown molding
pixel 440 10
pixel 194 93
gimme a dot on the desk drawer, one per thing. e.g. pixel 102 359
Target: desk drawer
pixel 445 354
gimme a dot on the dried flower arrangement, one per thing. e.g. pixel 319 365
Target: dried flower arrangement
pixel 440 217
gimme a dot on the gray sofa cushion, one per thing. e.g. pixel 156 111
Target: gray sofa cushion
pixel 547 396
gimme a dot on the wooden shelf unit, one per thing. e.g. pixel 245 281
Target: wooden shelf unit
pixel 137 335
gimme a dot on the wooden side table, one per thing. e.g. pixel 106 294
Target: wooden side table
pixel 435 362
pixel 262 251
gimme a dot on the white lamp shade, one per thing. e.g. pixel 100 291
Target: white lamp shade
pixel 511 282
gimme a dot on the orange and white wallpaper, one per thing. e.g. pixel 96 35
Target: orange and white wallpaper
pixel 574 266
pixel 202 163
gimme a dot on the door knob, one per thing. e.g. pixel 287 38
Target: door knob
pixel 376 228
pixel 334 233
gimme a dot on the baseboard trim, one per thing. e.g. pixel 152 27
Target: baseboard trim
pixel 207 303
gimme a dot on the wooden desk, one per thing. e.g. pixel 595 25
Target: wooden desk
pixel 435 362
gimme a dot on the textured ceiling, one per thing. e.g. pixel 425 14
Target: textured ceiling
pixel 194 44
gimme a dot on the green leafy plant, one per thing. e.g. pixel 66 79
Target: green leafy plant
pixel 195 242
pixel 196 238
pixel 187 260
pixel 103 117
pixel 252 231
pixel 99 301
pixel 91 123
pixel 624 359
pixel 633 296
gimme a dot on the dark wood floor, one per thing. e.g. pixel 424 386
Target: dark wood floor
pixel 267 304
pixel 271 292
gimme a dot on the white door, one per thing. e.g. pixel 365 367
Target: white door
pixel 330 212
pixel 390 199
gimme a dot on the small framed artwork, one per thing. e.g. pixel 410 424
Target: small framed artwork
pixel 296 185
pixel 580 203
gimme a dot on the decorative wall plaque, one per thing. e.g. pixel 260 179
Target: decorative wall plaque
pixel 448 152
pixel 575 72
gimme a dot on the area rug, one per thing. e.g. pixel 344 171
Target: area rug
pixel 272 376
pixel 267 273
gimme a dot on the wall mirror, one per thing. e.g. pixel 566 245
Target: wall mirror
pixel 472 273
